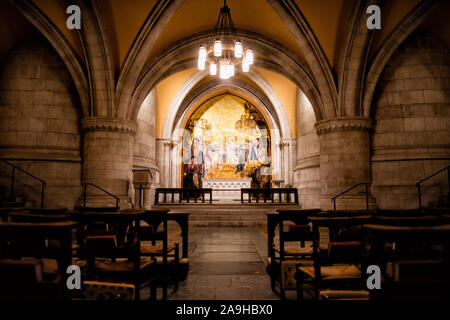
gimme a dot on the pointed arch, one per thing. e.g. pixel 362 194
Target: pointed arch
pixel 98 59
pixel 73 63
pixel 320 67
pixel 406 26
pixel 138 54
pixel 279 59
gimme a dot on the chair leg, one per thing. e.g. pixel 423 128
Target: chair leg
pixel 153 292
pixel 282 294
pixel 138 291
pixel 165 289
pixel 299 282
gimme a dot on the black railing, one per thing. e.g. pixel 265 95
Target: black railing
pixel 14 168
pixel 183 193
pixel 351 188
pixel 268 194
pixel 101 189
pixel 419 191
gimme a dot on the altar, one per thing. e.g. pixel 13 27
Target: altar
pixel 227 189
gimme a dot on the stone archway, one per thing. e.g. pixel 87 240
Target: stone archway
pixel 169 146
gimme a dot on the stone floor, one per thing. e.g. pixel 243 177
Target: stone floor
pixel 226 263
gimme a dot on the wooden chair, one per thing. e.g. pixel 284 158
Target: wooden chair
pixel 44 275
pixel 414 260
pixel 108 261
pixel 282 259
pixel 289 256
pixel 336 265
pixel 103 290
pixel 25 279
pixel 154 243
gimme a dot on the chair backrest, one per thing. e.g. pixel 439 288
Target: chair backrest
pixel 414 260
pixel 14 271
pixel 22 279
pixel 104 246
pixel 36 240
pixel 37 217
pixel 407 220
pixel 345 239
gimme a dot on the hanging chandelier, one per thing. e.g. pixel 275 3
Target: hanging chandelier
pixel 226 50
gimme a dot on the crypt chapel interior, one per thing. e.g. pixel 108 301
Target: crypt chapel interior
pixel 163 144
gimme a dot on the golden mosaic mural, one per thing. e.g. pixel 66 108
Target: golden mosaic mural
pixel 226 137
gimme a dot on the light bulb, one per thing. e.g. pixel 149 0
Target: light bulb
pixel 223 71
pixel 202 53
pixel 201 64
pixel 231 70
pixel 212 69
pixel 217 48
pixel 249 56
pixel 245 66
pixel 238 49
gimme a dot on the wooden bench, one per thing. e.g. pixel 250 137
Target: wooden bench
pixel 268 194
pixel 183 194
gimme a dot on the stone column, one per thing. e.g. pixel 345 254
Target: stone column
pixel 344 160
pixel 289 153
pixel 277 161
pixel 163 161
pixel 108 159
pixel 175 160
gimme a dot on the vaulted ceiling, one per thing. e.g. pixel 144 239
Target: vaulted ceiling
pixel 124 19
pixel 328 23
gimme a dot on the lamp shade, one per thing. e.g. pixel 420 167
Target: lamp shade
pixel 217 48
pixel 212 69
pixel 238 49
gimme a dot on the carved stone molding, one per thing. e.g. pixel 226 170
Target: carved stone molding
pixel 343 124
pixel 311 161
pixel 109 125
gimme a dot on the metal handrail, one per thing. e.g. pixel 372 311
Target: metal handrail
pixel 14 167
pixel 429 177
pixel 85 184
pixel 351 188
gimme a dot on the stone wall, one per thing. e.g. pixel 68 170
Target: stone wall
pixel 307 168
pixel 39 124
pixel 411 132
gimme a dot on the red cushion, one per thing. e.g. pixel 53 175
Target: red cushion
pixel 103 236
pixel 298 227
pixel 345 243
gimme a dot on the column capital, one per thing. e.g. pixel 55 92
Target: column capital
pixel 343 124
pixel 109 125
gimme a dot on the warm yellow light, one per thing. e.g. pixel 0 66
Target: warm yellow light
pixel 238 49
pixel 217 48
pixel 212 69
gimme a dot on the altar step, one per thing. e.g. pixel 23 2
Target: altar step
pixel 227 214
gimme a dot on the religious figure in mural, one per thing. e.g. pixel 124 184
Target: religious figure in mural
pixel 226 138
